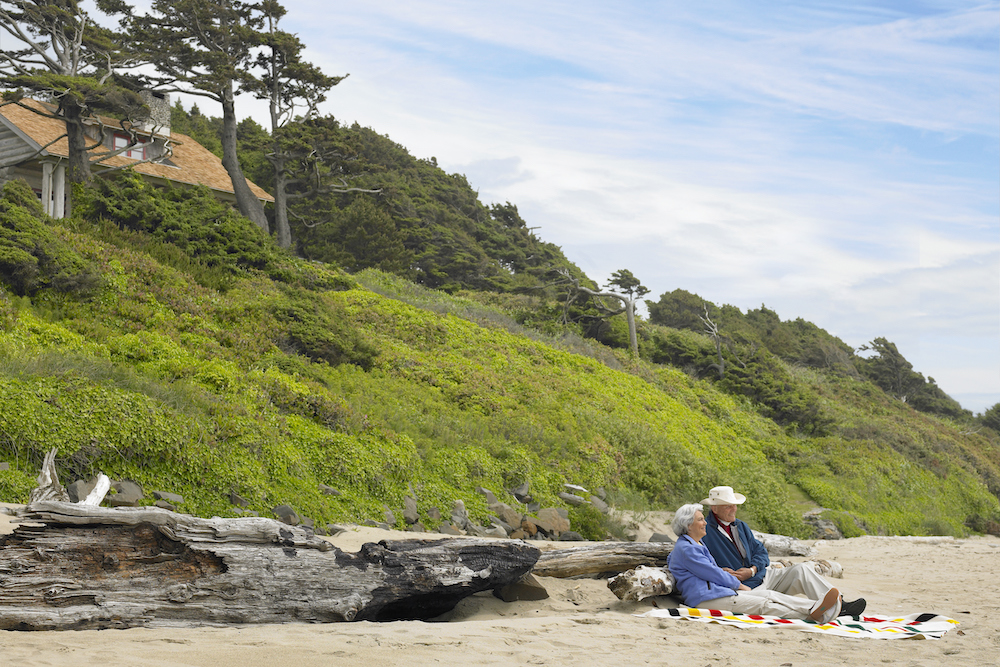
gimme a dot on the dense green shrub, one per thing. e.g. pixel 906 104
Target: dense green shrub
pixel 32 254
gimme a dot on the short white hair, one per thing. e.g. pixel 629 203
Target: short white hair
pixel 684 517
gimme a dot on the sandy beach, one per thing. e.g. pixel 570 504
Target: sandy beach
pixel 583 623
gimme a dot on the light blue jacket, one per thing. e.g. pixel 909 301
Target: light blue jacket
pixel 698 577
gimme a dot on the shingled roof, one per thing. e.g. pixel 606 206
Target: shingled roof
pixel 190 162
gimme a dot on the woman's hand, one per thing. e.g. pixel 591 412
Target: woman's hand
pixel 744 587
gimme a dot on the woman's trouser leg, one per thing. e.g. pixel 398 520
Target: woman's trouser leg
pixel 765 603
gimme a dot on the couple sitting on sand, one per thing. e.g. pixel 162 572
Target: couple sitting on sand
pixel 744 584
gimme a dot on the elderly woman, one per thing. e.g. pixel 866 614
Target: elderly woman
pixel 704 584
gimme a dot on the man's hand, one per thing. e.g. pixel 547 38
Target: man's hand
pixel 744 587
pixel 742 574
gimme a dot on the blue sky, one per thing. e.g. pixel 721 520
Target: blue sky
pixel 834 161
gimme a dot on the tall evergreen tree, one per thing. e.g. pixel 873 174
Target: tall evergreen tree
pixel 288 83
pixel 206 48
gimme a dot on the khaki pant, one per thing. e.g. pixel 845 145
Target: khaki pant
pixel 776 595
pixel 763 602
pixel 799 579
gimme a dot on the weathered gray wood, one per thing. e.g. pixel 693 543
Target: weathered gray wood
pixel 601 558
pixel 642 582
pixel 96 567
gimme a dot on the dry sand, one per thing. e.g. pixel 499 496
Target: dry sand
pixel 583 623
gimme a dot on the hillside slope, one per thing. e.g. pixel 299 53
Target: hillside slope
pixel 222 366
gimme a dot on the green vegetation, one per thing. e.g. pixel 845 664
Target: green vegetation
pixel 156 336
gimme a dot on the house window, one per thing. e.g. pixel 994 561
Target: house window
pixel 136 152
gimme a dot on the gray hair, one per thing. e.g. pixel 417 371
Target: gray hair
pixel 684 517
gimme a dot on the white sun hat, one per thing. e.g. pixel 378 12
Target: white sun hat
pixel 723 495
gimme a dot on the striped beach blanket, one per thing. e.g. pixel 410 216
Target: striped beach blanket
pixel 870 626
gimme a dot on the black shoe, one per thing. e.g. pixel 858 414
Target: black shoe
pixel 854 608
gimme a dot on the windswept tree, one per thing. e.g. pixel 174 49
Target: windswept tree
pixel 630 292
pixel 205 48
pixel 289 84
pixel 61 55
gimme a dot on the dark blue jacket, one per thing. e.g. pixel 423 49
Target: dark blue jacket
pixel 726 554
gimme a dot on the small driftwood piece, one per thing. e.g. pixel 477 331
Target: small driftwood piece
pixel 641 583
pixel 92 567
pixel 602 558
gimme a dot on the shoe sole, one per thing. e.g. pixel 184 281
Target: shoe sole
pixel 830 601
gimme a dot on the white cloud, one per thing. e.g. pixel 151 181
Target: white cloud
pixel 836 162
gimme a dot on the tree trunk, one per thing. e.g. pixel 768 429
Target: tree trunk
pixel 78 168
pixel 281 226
pixel 246 200
pixel 630 318
pixel 601 558
pixel 95 567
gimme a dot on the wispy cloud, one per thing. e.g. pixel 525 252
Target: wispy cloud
pixel 836 161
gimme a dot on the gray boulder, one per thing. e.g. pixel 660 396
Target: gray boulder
pixel 172 498
pixel 127 494
pixel 410 513
pixel 286 514
pixel 572 499
pixel 490 498
pixel 80 489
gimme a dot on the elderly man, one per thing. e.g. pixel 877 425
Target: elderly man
pixel 738 552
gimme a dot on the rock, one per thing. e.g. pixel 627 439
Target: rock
pixel 521 493
pixel 434 514
pixel 6 466
pixel 417 528
pixel 601 506
pixel 494 531
pixel 503 524
pixel 641 583
pixel 128 494
pixel 526 588
pixel 459 516
pixel 782 545
pixel 307 522
pixel 518 534
pixel 528 526
pixel 328 490
pixel 238 500
pixel 333 529
pixel 410 514
pixel 243 512
pixel 450 529
pixel 286 514
pixel 390 517
pixel 80 489
pixel 533 507
pixel 660 537
pixel 553 520
pixel 165 505
pixel 600 493
pixel 506 513
pixel 490 498
pixel 823 529
pixel 171 498
pixel 571 536
pixel 572 499
pixel 575 488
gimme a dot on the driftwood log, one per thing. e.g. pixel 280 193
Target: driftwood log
pixel 86 567
pixel 602 558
